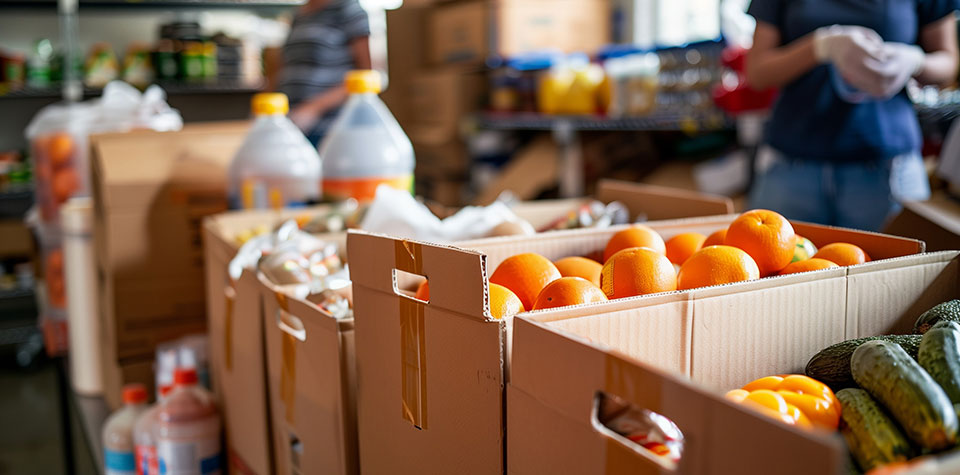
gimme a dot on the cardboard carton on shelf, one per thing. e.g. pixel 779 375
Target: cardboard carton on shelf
pixel 427 370
pixel 731 336
pixel 469 32
pixel 236 317
pixel 151 192
pixel 935 221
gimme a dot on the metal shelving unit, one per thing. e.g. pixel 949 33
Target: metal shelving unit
pixel 158 4
pixel 171 87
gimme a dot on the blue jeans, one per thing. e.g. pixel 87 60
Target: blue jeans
pixel 861 195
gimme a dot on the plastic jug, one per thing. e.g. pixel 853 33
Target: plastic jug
pixel 276 166
pixel 188 429
pixel 118 447
pixel 365 146
pixel 144 437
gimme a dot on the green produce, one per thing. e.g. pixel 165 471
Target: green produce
pixel 872 437
pixel 831 365
pixel 946 311
pixel 905 389
pixel 940 356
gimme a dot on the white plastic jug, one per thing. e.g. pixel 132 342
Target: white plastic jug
pixel 118 446
pixel 145 439
pixel 276 167
pixel 365 146
pixel 188 429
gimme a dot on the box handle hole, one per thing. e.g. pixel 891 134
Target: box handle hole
pixel 647 433
pixel 291 325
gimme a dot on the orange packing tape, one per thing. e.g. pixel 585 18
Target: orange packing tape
pixel 230 295
pixel 288 363
pixel 413 362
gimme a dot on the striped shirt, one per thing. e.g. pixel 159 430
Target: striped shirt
pixel 317 54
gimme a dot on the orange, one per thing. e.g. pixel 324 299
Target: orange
pixel 568 291
pixel 637 235
pixel 716 238
pixel 767 236
pixel 807 266
pixel 423 291
pixel 582 267
pixel 503 302
pixel 682 246
pixel 65 183
pixel 842 254
pixel 716 265
pixel 525 275
pixel 60 149
pixel 637 271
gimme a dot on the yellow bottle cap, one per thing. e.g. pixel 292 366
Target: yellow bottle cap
pixel 265 103
pixel 360 81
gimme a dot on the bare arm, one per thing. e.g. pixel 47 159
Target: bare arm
pixel 939 40
pixel 770 64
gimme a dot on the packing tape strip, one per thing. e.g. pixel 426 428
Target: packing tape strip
pixel 288 362
pixel 230 295
pixel 413 362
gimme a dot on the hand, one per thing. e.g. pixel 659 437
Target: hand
pixel 900 63
pixel 305 115
pixel 849 48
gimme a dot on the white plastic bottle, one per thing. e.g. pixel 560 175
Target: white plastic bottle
pixel 276 166
pixel 188 428
pixel 144 437
pixel 365 146
pixel 118 447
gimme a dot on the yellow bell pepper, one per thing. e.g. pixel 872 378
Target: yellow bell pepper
pixel 804 401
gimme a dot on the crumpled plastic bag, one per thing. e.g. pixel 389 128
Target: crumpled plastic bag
pixel 397 213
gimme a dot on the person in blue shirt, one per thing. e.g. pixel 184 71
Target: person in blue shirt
pixel 843 141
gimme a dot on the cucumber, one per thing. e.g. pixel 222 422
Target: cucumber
pixel 905 389
pixel 872 437
pixel 940 356
pixel 831 365
pixel 949 310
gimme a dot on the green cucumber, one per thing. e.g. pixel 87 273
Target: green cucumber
pixel 940 356
pixel 905 389
pixel 872 437
pixel 831 365
pixel 949 310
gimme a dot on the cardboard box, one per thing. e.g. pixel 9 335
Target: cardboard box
pixel 936 222
pixel 469 32
pixel 311 379
pixel 406 28
pixel 428 370
pixel 439 101
pixel 732 336
pixel 151 192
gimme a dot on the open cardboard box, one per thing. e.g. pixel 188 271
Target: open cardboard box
pixel 560 363
pixel 431 375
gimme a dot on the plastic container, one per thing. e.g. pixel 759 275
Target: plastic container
pixel 276 167
pixel 145 439
pixel 79 268
pixel 118 446
pixel 365 146
pixel 188 429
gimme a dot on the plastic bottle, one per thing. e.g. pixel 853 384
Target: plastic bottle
pixel 118 447
pixel 144 437
pixel 276 166
pixel 188 429
pixel 365 146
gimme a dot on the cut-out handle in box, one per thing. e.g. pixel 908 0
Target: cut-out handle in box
pixel 457 276
pixel 291 325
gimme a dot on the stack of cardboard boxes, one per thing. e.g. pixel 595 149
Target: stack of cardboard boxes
pixel 438 54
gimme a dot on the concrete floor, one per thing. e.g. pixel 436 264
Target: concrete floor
pixel 31 431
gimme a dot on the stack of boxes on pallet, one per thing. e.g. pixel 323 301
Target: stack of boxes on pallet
pixel 439 52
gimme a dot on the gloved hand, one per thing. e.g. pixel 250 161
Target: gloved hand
pixel 849 48
pixel 899 63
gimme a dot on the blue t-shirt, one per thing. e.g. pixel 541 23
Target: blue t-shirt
pixel 809 120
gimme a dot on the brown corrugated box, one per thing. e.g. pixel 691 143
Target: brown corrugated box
pixel 234 310
pixel 733 334
pixel 151 192
pixel 935 221
pixel 427 371
pixel 468 32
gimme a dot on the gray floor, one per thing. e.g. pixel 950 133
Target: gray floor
pixel 31 431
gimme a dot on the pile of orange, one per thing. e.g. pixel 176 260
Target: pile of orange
pixel 55 168
pixel 637 261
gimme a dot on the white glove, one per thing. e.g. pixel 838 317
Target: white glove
pixel 849 48
pixel 899 63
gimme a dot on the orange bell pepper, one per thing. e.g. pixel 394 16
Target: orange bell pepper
pixel 804 401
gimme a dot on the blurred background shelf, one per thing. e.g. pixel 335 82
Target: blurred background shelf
pixel 157 4
pixel 171 88
pixel 664 122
